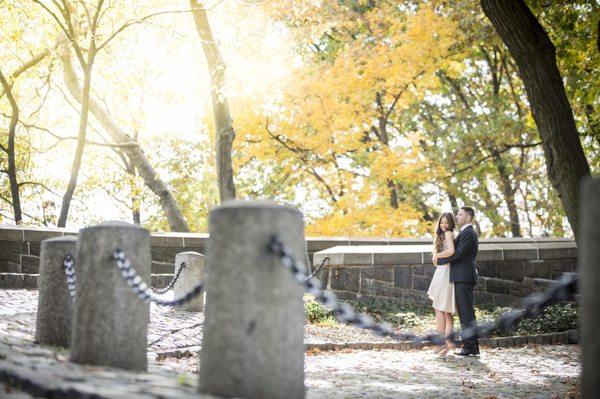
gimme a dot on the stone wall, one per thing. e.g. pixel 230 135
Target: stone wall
pixel 508 271
pixel 20 250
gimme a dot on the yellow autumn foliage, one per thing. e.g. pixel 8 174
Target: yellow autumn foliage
pixel 319 133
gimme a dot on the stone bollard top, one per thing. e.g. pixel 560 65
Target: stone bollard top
pixel 113 223
pixel 190 253
pixel 255 204
pixel 61 239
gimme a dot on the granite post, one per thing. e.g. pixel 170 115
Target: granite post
pixel 254 316
pixel 192 274
pixel 109 321
pixel 589 283
pixel 53 325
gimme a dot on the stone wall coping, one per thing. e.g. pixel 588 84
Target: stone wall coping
pixel 375 255
pixel 7 229
pixel 424 241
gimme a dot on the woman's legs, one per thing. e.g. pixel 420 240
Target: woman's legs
pixel 440 321
pixel 449 327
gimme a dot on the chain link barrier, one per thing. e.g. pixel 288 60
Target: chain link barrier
pixel 561 290
pixel 134 281
pixel 141 289
pixel 168 287
pixel 68 265
pixel 318 268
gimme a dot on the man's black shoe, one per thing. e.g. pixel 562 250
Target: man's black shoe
pixel 468 352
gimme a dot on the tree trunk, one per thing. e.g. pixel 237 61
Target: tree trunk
pixel 10 149
pixel 225 134
pixel 393 194
pixel 134 152
pixel 509 194
pixel 494 61
pixel 535 56
pixel 453 202
pixel 83 121
pixel 135 199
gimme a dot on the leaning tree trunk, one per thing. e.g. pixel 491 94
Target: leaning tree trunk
pixel 135 198
pixel 10 149
pixel 535 56
pixel 225 134
pixel 83 121
pixel 134 152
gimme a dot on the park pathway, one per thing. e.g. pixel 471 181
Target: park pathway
pixel 530 372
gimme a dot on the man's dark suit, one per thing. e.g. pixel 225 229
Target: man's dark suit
pixel 463 273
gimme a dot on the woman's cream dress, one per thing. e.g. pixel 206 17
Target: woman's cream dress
pixel 441 290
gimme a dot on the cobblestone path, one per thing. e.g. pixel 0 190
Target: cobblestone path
pixel 530 372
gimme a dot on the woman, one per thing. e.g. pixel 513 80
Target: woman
pixel 441 290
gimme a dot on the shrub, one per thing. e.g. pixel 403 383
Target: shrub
pixel 316 313
pixel 421 318
pixel 554 318
pixel 405 316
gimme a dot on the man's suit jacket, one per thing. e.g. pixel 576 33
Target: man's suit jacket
pixel 463 267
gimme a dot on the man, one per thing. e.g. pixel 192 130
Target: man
pixel 463 273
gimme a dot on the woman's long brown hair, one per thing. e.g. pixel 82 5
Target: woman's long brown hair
pixel 439 233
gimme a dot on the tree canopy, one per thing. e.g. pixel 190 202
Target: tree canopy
pixel 372 117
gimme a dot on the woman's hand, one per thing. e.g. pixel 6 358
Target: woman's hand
pixel 435 259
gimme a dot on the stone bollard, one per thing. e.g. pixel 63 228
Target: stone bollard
pixel 109 321
pixel 254 316
pixel 53 326
pixel 192 274
pixel 589 281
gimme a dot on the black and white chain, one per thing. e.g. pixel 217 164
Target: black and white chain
pixel 70 272
pixel 562 289
pixel 318 268
pixel 142 290
pixel 168 287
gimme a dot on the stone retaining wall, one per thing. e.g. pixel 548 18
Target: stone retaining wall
pixel 508 271
pixel 20 246
pixel 20 251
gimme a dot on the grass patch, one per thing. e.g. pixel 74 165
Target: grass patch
pixel 421 319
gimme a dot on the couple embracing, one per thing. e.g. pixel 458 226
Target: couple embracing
pixel 455 276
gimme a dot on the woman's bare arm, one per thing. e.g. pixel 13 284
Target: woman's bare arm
pixel 449 237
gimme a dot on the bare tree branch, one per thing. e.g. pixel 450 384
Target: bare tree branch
pixel 132 22
pixel 24 213
pixel 303 155
pixel 504 148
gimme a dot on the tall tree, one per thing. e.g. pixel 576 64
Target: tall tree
pixel 10 151
pixel 130 148
pixel 225 134
pixel 79 24
pixel 535 56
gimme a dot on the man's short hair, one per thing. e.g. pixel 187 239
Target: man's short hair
pixel 469 211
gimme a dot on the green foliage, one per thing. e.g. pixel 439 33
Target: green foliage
pixel 391 112
pixel 316 313
pixel 404 316
pixel 573 29
pixel 184 380
pixel 555 318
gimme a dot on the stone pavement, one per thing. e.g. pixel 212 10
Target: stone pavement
pixel 529 372
pixel 170 331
